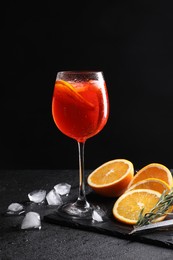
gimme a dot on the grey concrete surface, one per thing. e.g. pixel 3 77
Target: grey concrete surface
pixel 54 242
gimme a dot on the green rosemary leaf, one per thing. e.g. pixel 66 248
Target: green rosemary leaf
pixel 160 209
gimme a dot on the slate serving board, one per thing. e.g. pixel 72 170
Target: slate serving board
pixel 110 226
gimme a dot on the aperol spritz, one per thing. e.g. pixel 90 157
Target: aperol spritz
pixel 80 109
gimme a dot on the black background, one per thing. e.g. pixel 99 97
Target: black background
pixel 130 41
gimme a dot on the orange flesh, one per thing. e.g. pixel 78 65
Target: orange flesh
pixel 151 184
pixel 131 206
pixel 155 172
pixel 110 173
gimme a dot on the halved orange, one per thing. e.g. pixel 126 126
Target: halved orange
pixel 128 206
pixel 71 91
pixel 153 170
pixel 111 178
pixel 152 184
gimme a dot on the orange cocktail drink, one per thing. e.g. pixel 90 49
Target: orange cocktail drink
pixel 79 109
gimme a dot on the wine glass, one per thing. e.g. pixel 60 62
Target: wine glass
pixel 80 109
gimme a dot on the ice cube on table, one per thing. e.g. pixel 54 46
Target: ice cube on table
pixel 37 196
pixel 96 216
pixel 31 220
pixel 53 198
pixel 62 188
pixel 15 209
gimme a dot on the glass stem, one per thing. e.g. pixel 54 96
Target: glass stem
pixel 81 201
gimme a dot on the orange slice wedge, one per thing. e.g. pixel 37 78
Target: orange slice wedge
pixel 71 91
pixel 152 184
pixel 153 170
pixel 129 205
pixel 111 178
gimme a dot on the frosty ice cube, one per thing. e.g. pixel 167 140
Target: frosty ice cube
pixel 37 196
pixel 31 220
pixel 62 188
pixel 15 209
pixel 96 216
pixel 53 198
pixel 99 214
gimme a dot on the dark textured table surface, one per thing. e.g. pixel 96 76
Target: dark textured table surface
pixel 56 241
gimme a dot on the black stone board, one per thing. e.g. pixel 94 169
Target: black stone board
pixel 111 227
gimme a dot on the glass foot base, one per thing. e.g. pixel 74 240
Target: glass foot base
pixel 75 211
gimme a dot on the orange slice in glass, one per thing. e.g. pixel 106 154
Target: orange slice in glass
pixel 71 91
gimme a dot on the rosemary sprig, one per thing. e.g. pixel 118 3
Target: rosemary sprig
pixel 163 204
